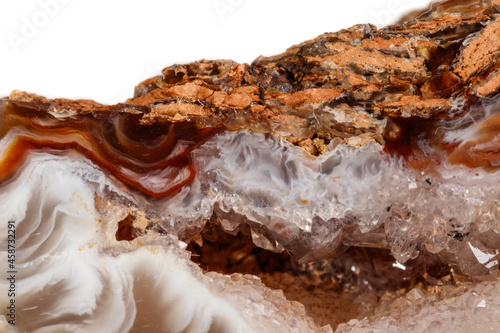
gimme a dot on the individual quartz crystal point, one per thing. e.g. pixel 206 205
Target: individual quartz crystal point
pixel 350 183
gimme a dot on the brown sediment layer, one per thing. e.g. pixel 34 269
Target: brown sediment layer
pixel 484 150
pixel 115 141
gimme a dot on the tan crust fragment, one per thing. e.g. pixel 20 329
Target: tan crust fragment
pixel 314 95
pixel 388 43
pixel 491 86
pixel 481 52
pixel 57 105
pixel 370 61
pixel 358 80
pixel 181 110
pixel 408 106
pixel 188 90
pixel 437 24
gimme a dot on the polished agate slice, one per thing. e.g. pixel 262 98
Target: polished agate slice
pixel 349 184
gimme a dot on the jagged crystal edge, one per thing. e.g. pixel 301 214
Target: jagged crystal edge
pixel 263 180
pixel 271 182
pixel 468 308
pixel 65 249
pixel 73 275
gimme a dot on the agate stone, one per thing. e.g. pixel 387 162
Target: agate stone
pixel 349 184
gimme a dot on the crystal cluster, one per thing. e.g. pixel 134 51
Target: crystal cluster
pixel 227 197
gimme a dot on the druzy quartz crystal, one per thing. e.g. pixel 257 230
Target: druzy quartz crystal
pixel 349 184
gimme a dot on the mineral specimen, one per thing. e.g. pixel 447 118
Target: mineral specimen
pixel 349 184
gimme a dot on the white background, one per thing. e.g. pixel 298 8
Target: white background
pixel 101 49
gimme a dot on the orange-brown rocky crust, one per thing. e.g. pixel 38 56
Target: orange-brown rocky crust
pixel 338 85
